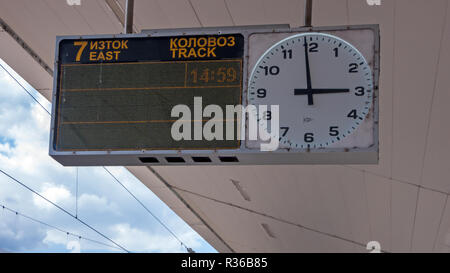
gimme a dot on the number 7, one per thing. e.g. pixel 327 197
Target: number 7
pixel 83 45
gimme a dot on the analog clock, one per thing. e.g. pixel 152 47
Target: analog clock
pixel 322 84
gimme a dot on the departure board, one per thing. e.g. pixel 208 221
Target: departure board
pixel 118 94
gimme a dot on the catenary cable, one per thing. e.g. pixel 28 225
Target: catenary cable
pixel 14 78
pixel 151 213
pixel 62 209
pixel 56 228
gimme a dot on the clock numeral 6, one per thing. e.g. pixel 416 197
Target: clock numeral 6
pixel 353 68
pixel 334 131
pixel 262 93
pixel 309 137
pixel 273 70
pixel 360 91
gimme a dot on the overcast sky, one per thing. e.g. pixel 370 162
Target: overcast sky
pixel 102 202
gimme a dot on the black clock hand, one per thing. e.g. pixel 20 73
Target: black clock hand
pixel 298 92
pixel 308 75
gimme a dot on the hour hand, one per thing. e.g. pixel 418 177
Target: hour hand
pixel 311 92
pixel 298 92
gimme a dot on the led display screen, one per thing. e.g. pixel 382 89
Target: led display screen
pixel 118 94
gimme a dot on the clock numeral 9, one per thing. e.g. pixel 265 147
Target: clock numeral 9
pixel 360 91
pixel 273 70
pixel 334 131
pixel 262 93
pixel 309 137
pixel 353 68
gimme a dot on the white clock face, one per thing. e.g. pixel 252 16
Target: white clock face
pixel 322 84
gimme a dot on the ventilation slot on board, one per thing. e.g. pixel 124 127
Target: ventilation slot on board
pixel 228 159
pixel 201 159
pixel 175 160
pixel 148 159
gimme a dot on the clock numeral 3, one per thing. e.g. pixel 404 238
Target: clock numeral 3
pixel 309 137
pixel 360 91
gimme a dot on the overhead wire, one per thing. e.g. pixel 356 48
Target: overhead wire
pixel 56 228
pixel 20 84
pixel 62 209
pixel 151 213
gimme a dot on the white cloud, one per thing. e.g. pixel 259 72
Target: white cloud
pixel 30 135
pixel 54 193
pixel 5 148
pixel 7 80
pixel 55 237
pixel 96 203
pixel 72 244
pixel 5 231
pixel 139 240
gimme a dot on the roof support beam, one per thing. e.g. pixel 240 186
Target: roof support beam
pixel 129 10
pixel 25 46
pixel 117 10
pixel 308 13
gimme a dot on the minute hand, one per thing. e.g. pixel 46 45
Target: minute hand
pixel 320 91
pixel 308 68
